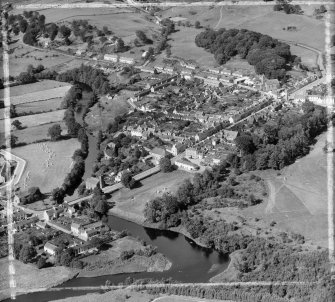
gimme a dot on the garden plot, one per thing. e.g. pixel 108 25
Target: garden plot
pixel 47 163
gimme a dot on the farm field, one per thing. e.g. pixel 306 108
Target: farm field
pixel 24 55
pixel 41 95
pixel 152 187
pixel 184 39
pixel 33 134
pixel 298 197
pixel 40 119
pixel 47 163
pixel 308 57
pixel 124 22
pixel 41 106
pixel 33 87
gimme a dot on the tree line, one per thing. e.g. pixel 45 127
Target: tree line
pixel 282 141
pixel 269 56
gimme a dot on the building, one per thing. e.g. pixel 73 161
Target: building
pixel 194 153
pixel 230 135
pixel 92 183
pixel 177 149
pixel 186 165
pixel 52 213
pixel 111 57
pixel 126 60
pixel 50 248
pixel 109 150
pixel 158 153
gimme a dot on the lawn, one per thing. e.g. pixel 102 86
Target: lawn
pixel 29 278
pixel 131 203
pixel 47 163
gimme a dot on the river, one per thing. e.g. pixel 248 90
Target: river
pixel 190 262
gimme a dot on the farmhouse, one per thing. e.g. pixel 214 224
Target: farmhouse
pixel 50 248
pixel 177 149
pixel 194 153
pixel 92 183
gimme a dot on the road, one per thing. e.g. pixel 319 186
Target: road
pixel 21 164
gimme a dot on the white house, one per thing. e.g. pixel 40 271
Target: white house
pixel 126 60
pixel 91 183
pixel 50 248
pixel 111 57
pixel 186 165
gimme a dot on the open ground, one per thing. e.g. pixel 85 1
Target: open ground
pixel 29 278
pixel 298 196
pixel 131 203
pixel 47 163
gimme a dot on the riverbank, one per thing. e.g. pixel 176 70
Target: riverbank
pixel 140 220
pixel 125 255
pixel 30 279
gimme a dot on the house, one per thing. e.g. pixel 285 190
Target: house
pixel 111 57
pixel 177 149
pixel 92 183
pixel 186 165
pixel 52 213
pixel 230 135
pixel 126 60
pixel 84 248
pixel 50 248
pixel 70 211
pixel 194 153
pixel 87 231
pixel 158 153
pixel 75 228
pixel 24 224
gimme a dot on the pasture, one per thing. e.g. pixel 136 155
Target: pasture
pixel 33 134
pixel 131 203
pixel 40 119
pixel 41 95
pixel 298 196
pixel 47 163
pixel 38 107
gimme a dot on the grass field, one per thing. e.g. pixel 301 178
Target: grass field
pixel 110 109
pixel 42 95
pixel 184 40
pixel 34 87
pixel 33 134
pixel 29 278
pixel 40 119
pixel 152 187
pixel 41 106
pixel 47 163
pixel 298 196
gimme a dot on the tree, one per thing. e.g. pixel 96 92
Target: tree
pixel 27 253
pixel 165 165
pixel 120 46
pixel 23 24
pixel 41 263
pixel 197 24
pixel 127 180
pixel 58 195
pixel 17 124
pixel 26 78
pixel 101 207
pixel 65 31
pixel 141 35
pixel 13 140
pixel 245 144
pixel 55 132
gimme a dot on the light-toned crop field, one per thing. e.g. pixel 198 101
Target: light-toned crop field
pixel 41 95
pixel 47 163
pixel 41 106
pixel 40 119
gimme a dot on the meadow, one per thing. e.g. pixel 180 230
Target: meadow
pixel 38 107
pixel 47 163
